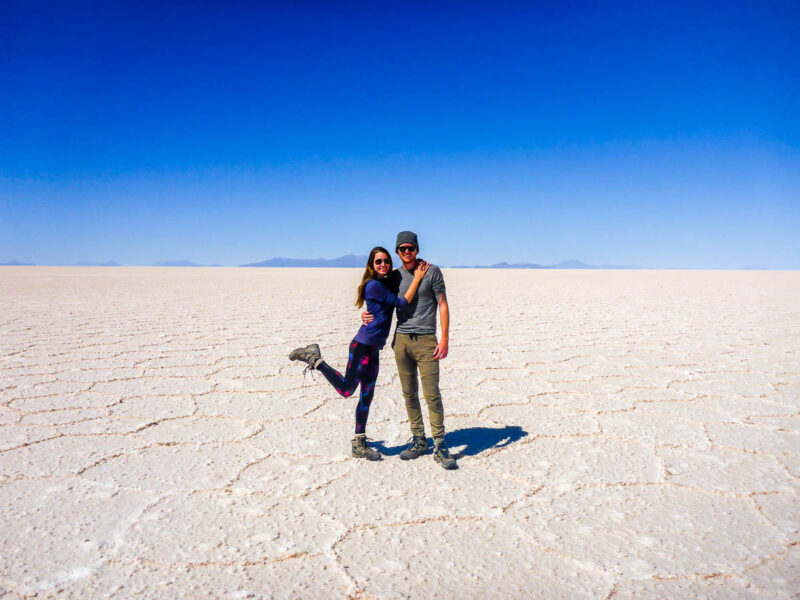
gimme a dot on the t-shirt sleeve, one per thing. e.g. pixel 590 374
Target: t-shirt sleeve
pixel 376 291
pixel 437 280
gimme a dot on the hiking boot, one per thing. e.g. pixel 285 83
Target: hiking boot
pixel 442 455
pixel 418 447
pixel 309 355
pixel 361 450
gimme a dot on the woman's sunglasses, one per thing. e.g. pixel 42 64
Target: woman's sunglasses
pixel 382 261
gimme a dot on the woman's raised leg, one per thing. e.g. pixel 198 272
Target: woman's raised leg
pixel 346 385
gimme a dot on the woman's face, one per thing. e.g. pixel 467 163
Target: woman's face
pixel 381 264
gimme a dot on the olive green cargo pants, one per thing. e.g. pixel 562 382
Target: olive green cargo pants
pixel 412 352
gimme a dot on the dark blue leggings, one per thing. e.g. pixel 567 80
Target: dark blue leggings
pixel 362 368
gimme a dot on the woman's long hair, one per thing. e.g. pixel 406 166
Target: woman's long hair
pixel 370 273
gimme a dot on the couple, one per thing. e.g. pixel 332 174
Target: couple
pixel 421 288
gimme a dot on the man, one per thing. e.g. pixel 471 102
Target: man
pixel 417 348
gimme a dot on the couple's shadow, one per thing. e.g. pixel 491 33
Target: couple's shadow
pixel 473 439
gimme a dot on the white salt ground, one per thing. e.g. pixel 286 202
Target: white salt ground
pixel 621 435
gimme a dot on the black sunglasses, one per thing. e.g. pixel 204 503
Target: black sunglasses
pixel 406 248
pixel 383 261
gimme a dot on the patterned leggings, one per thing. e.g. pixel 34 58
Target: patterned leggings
pixel 362 368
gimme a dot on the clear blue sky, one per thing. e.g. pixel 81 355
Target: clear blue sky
pixel 661 134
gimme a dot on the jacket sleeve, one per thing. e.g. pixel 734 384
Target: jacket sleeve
pixel 376 291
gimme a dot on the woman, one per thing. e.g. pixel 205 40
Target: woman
pixel 362 365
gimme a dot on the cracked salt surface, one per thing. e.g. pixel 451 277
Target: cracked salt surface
pixel 621 435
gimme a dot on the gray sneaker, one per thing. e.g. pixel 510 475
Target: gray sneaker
pixel 361 450
pixel 418 447
pixel 309 355
pixel 442 455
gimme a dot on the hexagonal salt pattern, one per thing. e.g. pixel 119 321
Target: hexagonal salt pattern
pixel 619 435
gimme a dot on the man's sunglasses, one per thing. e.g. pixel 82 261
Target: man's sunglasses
pixel 406 248
pixel 382 261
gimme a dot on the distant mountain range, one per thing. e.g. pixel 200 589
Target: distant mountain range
pixel 86 263
pixel 180 263
pixel 175 263
pixel 351 261
pixel 567 264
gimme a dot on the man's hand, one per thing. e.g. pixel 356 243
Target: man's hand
pixel 441 350
pixel 366 317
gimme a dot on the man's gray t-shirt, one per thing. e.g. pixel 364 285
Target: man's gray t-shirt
pixel 420 316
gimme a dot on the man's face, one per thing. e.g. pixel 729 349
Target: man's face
pixel 407 253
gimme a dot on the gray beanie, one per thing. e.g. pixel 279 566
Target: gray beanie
pixel 406 237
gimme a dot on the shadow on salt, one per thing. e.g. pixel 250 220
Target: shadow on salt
pixel 467 441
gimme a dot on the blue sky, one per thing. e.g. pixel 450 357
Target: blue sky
pixel 665 135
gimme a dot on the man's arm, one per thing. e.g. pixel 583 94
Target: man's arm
pixel 444 316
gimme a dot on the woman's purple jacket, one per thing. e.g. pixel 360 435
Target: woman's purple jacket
pixel 380 304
